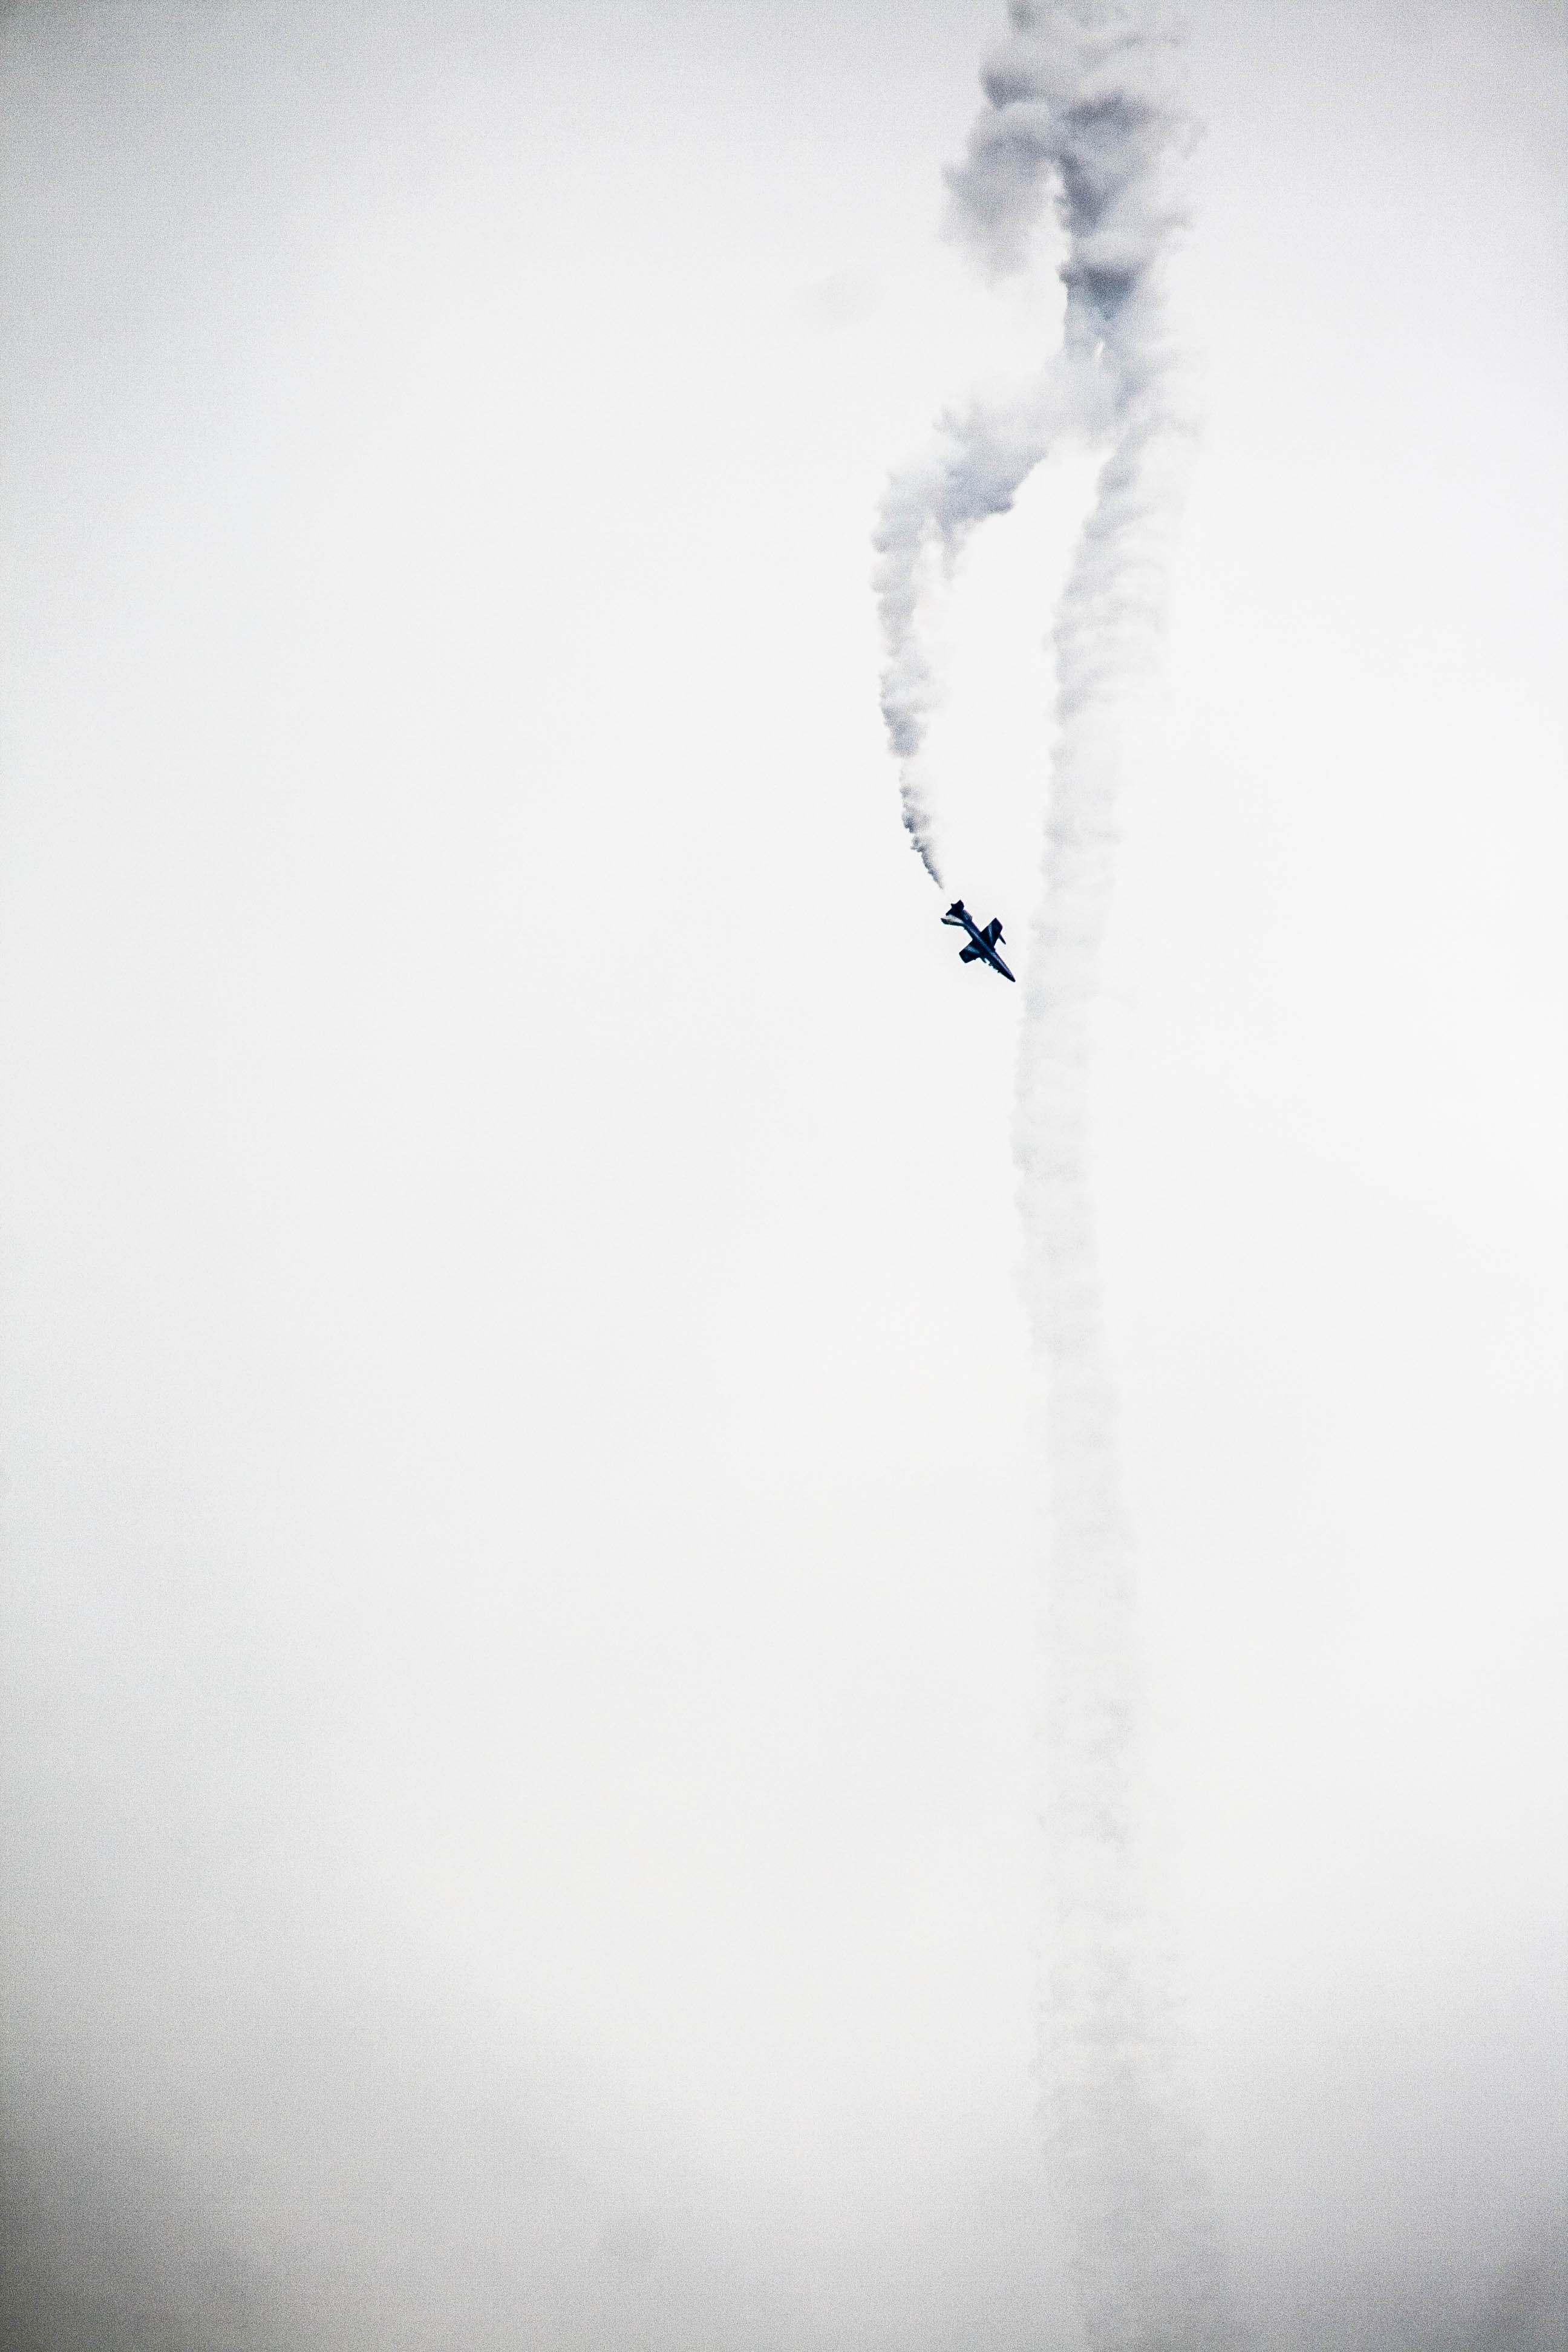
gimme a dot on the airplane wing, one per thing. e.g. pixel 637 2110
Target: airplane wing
pixel 969 955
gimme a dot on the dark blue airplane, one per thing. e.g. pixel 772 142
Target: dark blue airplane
pixel 983 944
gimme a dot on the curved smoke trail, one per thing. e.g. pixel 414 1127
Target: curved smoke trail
pixel 1082 106
pixel 982 459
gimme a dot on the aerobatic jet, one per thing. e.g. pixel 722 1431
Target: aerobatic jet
pixel 983 944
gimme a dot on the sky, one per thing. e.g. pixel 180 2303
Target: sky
pixel 523 1461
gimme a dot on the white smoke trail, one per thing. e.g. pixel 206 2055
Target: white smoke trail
pixel 982 459
pixel 1076 101
pixel 1081 105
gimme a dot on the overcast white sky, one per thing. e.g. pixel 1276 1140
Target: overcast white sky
pixel 521 1463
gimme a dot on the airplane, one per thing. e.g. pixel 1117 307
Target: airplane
pixel 983 944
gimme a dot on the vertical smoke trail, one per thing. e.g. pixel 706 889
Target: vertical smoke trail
pixel 1081 105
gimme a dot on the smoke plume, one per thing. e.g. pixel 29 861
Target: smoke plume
pixel 1081 107
pixel 1078 101
pixel 982 458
